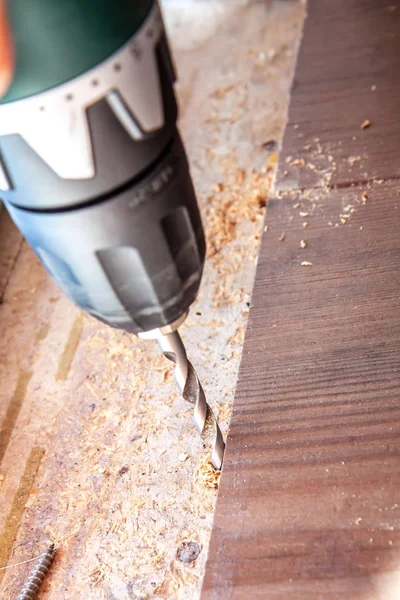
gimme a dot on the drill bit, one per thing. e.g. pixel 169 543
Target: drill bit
pixel 192 391
pixel 33 583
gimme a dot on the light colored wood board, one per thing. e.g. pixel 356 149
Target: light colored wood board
pixel 119 486
pixel 10 246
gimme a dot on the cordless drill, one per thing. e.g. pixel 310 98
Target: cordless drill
pixel 94 173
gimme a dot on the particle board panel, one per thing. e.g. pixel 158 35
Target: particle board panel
pixel 99 452
pixel 10 246
pixel 309 501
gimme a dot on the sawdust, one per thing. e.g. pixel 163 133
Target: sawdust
pixel 208 476
pixel 298 162
pixel 237 338
pixel 241 197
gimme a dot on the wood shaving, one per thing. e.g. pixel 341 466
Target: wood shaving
pixel 364 197
pixel 224 412
pixel 221 92
pixel 366 124
pixel 282 237
pixel 217 189
pixel 303 244
pixel 298 162
pixel 305 224
pixel 306 263
pixel 208 476
pixel 237 338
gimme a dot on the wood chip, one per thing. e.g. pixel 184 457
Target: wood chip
pixel 298 162
pixel 306 263
pixel 209 476
pixel 366 124
pixel 305 224
pixel 373 88
pixel 303 244
pixel 364 197
pixel 304 214
pixel 282 237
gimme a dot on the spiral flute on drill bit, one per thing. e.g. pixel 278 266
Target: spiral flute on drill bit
pixel 33 583
pixel 192 391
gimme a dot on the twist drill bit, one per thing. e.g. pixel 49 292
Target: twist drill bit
pixel 33 583
pixel 192 391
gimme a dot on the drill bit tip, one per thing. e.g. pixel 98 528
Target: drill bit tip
pixel 192 391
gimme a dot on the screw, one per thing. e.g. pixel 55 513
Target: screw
pixel 33 583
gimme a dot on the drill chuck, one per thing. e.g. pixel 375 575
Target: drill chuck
pixel 95 175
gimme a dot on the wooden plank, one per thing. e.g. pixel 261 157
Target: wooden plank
pixel 349 47
pixel 309 502
pixel 119 487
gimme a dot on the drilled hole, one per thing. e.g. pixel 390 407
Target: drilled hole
pixel 69 97
pixel 117 67
pixel 95 82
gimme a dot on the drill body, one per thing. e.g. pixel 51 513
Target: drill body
pixel 92 167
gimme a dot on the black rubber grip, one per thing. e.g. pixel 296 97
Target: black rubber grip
pixel 133 259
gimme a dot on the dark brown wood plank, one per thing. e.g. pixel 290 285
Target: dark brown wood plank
pixel 349 47
pixel 309 503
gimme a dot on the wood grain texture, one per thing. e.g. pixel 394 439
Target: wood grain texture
pixel 348 48
pixel 309 502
